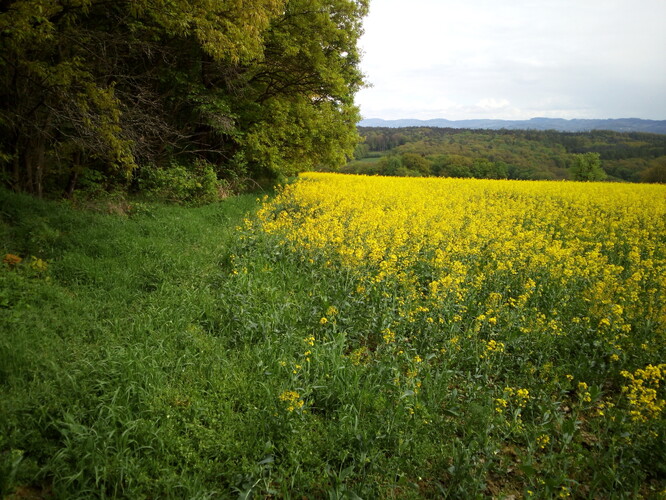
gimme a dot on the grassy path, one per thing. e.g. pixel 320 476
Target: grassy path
pixel 113 373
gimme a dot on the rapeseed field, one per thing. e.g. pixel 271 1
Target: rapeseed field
pixel 524 321
pixel 348 337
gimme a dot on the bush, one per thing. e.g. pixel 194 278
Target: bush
pixel 194 184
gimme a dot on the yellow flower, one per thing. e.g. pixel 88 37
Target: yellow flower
pixel 500 404
pixel 495 346
pixel 359 356
pixel 388 336
pixel 643 392
pixel 464 232
pixel 542 440
pixel 292 399
pixel 584 394
pixel 564 492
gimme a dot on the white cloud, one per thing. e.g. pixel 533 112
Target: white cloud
pixel 492 104
pixel 476 58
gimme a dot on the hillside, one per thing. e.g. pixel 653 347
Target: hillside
pixel 512 154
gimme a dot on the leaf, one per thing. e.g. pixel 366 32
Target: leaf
pixel 450 413
pixel 528 469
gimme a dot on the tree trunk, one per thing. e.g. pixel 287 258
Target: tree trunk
pixel 17 168
pixel 39 166
pixel 29 178
pixel 73 175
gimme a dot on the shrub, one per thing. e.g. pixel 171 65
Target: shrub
pixel 194 184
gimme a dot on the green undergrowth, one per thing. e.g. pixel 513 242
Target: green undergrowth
pixel 167 353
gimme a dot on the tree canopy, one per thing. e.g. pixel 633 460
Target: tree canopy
pixel 259 89
pixel 587 167
pixel 512 154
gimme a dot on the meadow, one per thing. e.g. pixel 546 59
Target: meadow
pixel 347 337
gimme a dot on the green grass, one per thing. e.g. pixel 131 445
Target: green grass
pixel 148 359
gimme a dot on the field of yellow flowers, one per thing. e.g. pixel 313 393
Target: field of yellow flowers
pixel 348 337
pixel 522 323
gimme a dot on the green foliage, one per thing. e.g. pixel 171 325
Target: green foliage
pixel 305 88
pixel 416 163
pixel 112 86
pixel 656 171
pixel 587 167
pixel 391 164
pixel 512 154
pixel 195 184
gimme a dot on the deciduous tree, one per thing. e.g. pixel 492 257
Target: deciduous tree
pixel 266 87
pixel 587 167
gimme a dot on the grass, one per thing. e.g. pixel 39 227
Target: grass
pixel 109 361
pixel 169 354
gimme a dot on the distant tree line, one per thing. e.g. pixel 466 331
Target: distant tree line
pixel 105 93
pixel 511 154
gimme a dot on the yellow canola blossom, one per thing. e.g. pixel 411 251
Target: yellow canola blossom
pixel 292 400
pixel 643 392
pixel 498 241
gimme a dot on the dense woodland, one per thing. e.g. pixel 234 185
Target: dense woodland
pixel 149 93
pixel 510 154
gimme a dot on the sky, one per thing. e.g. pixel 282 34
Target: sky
pixel 514 59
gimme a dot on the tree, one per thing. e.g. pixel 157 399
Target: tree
pixel 390 164
pixel 264 87
pixel 586 167
pixel 656 172
pixel 417 163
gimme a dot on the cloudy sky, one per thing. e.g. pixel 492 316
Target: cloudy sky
pixel 514 59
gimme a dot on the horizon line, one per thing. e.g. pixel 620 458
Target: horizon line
pixel 511 119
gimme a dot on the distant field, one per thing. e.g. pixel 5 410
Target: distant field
pixel 363 162
pixel 369 159
pixel 349 337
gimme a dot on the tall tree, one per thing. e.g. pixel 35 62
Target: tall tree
pixel 301 110
pixel 113 85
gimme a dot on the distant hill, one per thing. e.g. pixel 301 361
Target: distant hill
pixel 504 153
pixel 559 124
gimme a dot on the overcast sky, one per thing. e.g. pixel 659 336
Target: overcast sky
pixel 514 59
